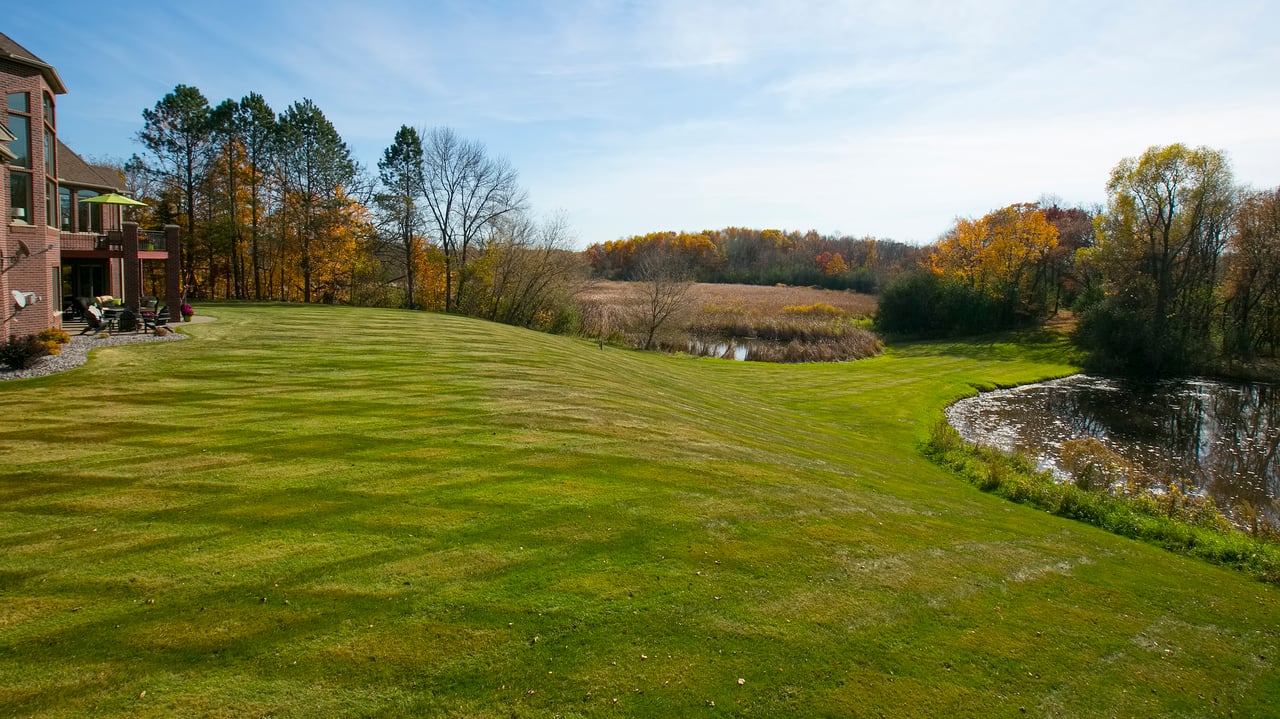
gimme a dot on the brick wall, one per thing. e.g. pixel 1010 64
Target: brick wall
pixel 5 250
pixel 35 273
pixel 31 274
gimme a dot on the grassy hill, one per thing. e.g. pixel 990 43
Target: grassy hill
pixel 313 511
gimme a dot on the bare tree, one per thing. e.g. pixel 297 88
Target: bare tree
pixel 665 280
pixel 466 192
pixel 531 268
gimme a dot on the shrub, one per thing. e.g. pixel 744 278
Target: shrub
pixel 567 320
pixel 53 338
pixel 54 334
pixel 924 305
pixel 22 352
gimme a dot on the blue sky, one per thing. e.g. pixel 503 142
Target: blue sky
pixel 885 118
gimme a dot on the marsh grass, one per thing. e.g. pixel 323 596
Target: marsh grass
pixel 772 324
pixel 330 511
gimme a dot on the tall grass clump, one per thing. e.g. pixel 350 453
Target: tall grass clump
pixel 1174 519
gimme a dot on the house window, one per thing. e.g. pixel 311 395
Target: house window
pixel 20 196
pixel 20 126
pixel 51 204
pixel 64 208
pixel 50 168
pixel 48 111
pixel 55 288
pixel 90 215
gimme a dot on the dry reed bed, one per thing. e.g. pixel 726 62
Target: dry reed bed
pixel 772 324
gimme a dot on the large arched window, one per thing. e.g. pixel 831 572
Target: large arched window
pixel 21 194
pixel 50 164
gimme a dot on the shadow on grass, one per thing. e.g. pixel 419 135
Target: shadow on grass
pixel 1041 344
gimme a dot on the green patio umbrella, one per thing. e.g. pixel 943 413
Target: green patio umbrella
pixel 112 198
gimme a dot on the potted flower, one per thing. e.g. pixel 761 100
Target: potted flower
pixel 187 312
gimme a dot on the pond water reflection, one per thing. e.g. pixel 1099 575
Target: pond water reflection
pixel 1220 436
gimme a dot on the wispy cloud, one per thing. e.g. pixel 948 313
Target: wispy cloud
pixel 878 117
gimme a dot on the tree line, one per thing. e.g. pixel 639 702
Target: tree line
pixel 275 207
pixel 1180 272
pixel 761 257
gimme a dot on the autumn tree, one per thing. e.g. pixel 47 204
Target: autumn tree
pixel 1004 254
pixel 314 166
pixel 832 264
pixel 1252 322
pixel 230 171
pixel 253 123
pixel 1167 222
pixel 1075 233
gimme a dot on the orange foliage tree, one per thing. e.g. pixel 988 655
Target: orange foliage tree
pixel 698 252
pixel 1003 254
pixel 832 264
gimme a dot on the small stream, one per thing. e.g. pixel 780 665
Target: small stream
pixel 1222 437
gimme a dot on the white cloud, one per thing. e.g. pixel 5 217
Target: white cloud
pixel 883 117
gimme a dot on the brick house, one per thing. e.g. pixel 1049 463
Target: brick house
pixel 53 246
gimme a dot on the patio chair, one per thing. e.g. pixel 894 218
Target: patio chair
pixel 79 306
pixel 94 321
pixel 127 321
pixel 155 319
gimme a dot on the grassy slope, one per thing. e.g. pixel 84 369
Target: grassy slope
pixel 317 510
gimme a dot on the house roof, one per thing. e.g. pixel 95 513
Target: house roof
pixel 11 50
pixel 73 170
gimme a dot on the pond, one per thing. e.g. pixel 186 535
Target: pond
pixel 1222 437
pixel 732 349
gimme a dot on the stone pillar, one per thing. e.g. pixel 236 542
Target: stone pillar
pixel 172 273
pixel 132 267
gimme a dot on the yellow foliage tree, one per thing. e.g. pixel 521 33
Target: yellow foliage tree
pixel 836 266
pixel 1003 254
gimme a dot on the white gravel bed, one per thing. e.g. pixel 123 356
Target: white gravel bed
pixel 76 353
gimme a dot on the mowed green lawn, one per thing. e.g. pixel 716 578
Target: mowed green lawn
pixel 316 511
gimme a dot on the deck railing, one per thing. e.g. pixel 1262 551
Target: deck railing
pixel 79 240
pixel 149 240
